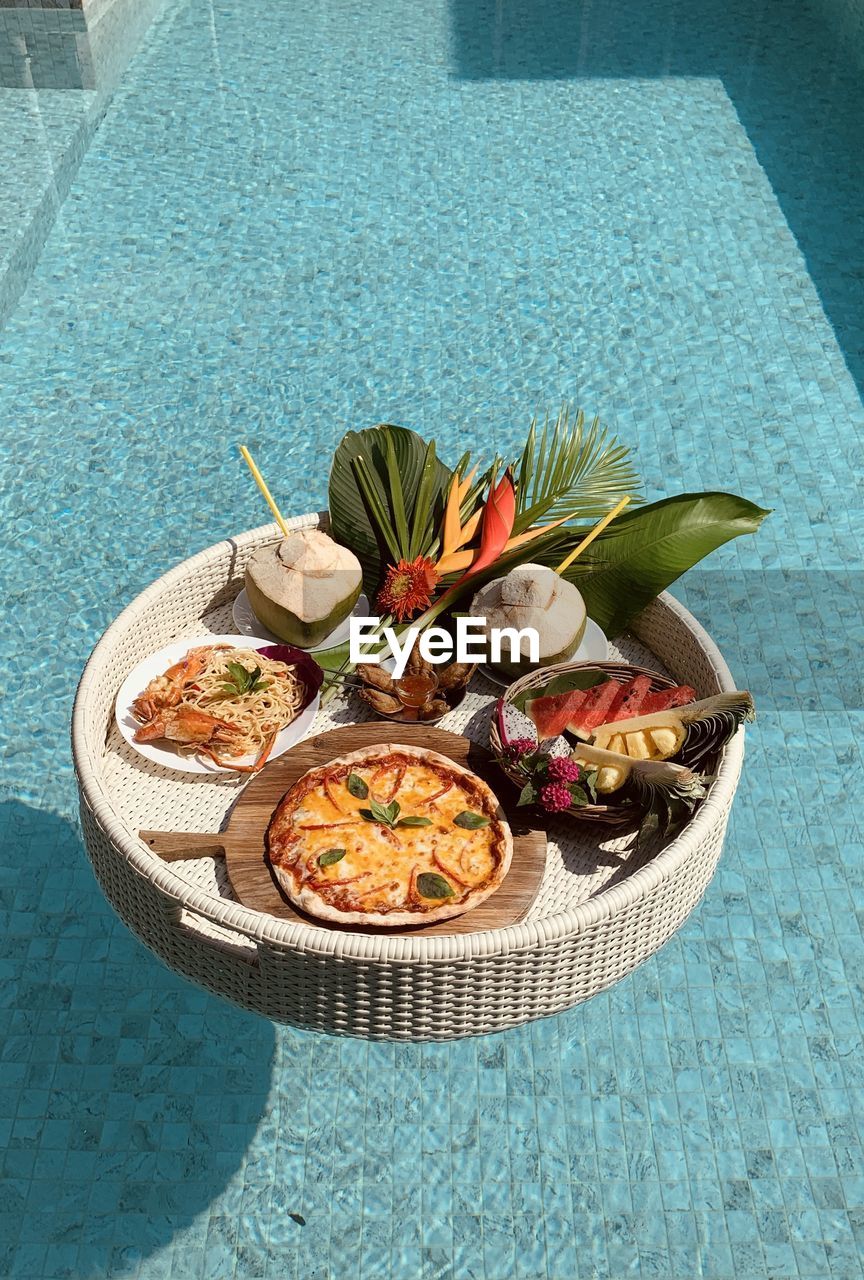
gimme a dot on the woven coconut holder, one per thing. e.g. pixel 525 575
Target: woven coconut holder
pixel 624 817
pixel 602 907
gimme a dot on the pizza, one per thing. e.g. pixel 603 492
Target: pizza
pixel 389 835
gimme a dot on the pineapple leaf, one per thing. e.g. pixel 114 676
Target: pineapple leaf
pixel 667 795
pixel 709 733
pixel 738 705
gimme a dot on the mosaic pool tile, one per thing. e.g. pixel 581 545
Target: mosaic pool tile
pixel 58 72
pixel 297 218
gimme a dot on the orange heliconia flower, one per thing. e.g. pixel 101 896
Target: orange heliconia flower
pixel 498 516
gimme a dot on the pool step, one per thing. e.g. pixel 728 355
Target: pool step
pixel 60 64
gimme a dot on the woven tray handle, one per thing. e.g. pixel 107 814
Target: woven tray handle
pixel 190 929
pixel 178 846
pixel 192 936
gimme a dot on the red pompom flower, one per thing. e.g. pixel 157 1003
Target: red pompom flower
pixel 564 770
pixel 555 797
pixel 408 587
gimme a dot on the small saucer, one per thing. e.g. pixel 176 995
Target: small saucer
pixel 453 700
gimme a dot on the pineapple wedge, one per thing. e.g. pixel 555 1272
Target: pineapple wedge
pixel 627 729
pixel 613 770
pixel 739 704
pixel 609 780
pixel 639 745
pixel 667 739
pixel 660 740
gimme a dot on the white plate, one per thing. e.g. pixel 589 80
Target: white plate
pixel 594 647
pixel 138 680
pixel 246 621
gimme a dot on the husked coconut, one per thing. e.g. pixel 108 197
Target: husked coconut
pixel 533 595
pixel 530 586
pixel 303 587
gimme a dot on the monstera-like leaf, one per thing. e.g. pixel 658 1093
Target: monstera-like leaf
pixel 644 551
pixel 387 491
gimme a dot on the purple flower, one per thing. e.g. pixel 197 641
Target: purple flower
pixel 561 769
pixel 555 797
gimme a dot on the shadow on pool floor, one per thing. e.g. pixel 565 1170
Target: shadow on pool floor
pixel 136 1095
pixel 792 70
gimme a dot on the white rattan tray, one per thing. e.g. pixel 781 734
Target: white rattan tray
pixel 601 909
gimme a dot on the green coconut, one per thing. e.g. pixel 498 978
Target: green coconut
pixel 532 595
pixel 303 587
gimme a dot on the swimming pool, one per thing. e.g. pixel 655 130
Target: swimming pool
pixel 295 218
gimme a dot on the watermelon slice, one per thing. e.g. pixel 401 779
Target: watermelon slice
pixel 666 699
pixel 620 695
pixel 632 703
pixel 551 713
pixel 594 709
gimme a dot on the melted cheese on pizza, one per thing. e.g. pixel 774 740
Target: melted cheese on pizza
pixel 322 838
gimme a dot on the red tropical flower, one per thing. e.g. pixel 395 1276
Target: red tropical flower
pixel 408 587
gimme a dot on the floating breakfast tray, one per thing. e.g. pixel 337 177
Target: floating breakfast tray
pixel 243 841
pixel 599 911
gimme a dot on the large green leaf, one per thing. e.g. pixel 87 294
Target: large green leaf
pixel 357 522
pixel 335 659
pixel 644 551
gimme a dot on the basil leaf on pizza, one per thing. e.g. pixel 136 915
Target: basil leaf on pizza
pixel 425 841
pixel 471 821
pixel 385 813
pixel 432 885
pixel 330 857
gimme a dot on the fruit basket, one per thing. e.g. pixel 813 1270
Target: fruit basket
pixel 605 814
pixel 602 908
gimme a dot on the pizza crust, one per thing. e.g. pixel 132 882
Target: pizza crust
pixel 309 900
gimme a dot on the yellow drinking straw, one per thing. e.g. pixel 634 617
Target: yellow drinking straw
pixel 259 480
pixel 595 532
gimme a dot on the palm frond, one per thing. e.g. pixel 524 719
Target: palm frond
pixel 379 512
pixel 571 471
pixel 397 499
pixel 425 516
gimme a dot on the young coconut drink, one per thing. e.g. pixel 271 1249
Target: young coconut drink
pixel 303 587
pixel 532 596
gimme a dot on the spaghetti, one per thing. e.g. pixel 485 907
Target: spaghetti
pixel 260 713
pixel 222 702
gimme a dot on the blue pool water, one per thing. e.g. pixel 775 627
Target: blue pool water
pixel 295 218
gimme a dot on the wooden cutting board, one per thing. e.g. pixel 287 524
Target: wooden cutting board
pixel 243 840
